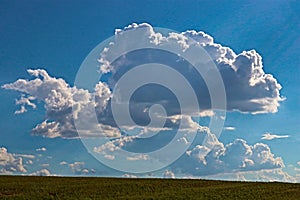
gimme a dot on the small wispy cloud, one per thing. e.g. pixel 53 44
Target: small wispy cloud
pixel 41 149
pixel 45 165
pixel 29 156
pixel 269 136
pixel 63 163
pixel 229 128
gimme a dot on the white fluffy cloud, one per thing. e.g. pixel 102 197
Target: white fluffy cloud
pixel 58 98
pixel 209 158
pixel 76 167
pixel 248 89
pixel 25 101
pixel 269 136
pixel 109 148
pixel 168 174
pixel 237 156
pixel 42 172
pixel 9 163
pixel 79 169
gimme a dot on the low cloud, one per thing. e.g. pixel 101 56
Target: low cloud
pixel 79 169
pixel 206 158
pixel 129 176
pixel 269 136
pixel 266 175
pixel 168 174
pixel 237 156
pixel 10 163
pixel 42 172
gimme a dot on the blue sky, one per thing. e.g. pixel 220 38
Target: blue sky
pixel 57 36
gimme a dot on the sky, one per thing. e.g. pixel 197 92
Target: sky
pixel 43 46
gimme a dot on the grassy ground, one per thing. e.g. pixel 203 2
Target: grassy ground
pixel 17 187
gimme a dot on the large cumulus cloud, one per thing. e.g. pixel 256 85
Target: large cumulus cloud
pixel 248 89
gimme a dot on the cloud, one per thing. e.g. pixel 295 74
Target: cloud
pixel 58 98
pixel 248 87
pixel 129 176
pixel 41 149
pixel 240 155
pixel 45 165
pixel 277 175
pixel 139 157
pixel 298 163
pixel 210 158
pixel 110 147
pixel 168 174
pixel 269 136
pixel 297 169
pixel 266 175
pixel 29 156
pixel 78 168
pixel 10 163
pixel 109 157
pixel 63 163
pixel 42 172
pixel 237 156
pixel 25 101
pixel 132 143
pixel 22 110
pixel 229 128
pixel 29 162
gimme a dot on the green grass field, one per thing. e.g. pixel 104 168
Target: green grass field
pixel 26 187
